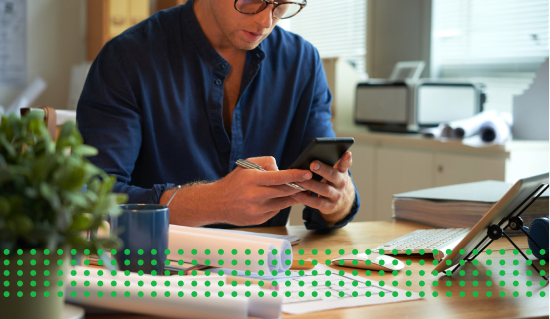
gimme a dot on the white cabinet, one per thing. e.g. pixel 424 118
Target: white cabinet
pixel 452 169
pixel 405 163
pixel 397 170
pixel 363 171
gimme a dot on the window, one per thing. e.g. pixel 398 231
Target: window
pixel 497 42
pixel 335 28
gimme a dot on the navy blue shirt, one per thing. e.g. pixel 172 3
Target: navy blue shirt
pixel 152 106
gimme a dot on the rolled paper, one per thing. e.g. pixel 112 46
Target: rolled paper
pixel 172 302
pixel 258 306
pixel 230 250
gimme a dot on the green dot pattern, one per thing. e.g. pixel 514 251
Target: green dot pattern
pixel 497 277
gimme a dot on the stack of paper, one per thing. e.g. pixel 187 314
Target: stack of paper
pixel 459 206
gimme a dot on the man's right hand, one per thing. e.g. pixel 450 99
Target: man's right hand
pixel 243 197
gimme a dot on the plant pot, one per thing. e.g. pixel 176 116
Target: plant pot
pixel 33 284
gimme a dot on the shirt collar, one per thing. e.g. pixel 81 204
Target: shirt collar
pixel 206 50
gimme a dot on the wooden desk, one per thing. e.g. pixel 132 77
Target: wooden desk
pixel 364 235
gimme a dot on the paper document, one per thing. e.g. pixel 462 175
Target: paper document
pixel 310 303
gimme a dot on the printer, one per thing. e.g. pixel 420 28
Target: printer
pixel 410 104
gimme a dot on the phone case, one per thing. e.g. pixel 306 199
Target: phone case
pixel 327 150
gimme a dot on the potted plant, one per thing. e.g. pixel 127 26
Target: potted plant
pixel 50 195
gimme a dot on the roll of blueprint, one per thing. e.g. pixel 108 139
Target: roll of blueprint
pixel 172 302
pixel 443 131
pixel 230 250
pixel 471 126
pixel 495 131
pixel 104 274
pixel 263 307
pixel 488 127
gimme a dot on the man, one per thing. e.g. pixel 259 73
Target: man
pixel 180 97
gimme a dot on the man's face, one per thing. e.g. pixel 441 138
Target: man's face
pixel 243 31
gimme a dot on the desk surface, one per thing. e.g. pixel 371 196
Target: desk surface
pixel 364 235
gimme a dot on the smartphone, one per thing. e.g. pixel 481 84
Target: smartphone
pixel 327 150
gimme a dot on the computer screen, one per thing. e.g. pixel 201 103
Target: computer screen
pixel 499 214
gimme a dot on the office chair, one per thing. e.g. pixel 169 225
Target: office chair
pixel 54 119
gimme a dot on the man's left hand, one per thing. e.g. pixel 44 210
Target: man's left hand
pixel 336 191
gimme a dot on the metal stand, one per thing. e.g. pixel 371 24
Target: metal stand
pixel 515 222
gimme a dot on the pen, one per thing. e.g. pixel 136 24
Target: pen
pixel 250 165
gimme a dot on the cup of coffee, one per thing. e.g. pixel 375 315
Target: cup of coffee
pixel 143 229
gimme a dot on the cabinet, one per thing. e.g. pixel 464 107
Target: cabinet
pixel 405 163
pixel 166 4
pixel 386 164
pixel 452 169
pixel 108 18
pixel 396 170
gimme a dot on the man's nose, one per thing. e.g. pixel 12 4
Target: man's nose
pixel 265 18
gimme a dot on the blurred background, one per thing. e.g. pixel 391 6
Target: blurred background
pixel 459 59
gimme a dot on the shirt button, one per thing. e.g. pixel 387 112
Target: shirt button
pixel 225 65
pixel 218 82
pixel 258 55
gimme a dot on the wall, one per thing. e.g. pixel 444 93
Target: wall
pixel 397 30
pixel 56 40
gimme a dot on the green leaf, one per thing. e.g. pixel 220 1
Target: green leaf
pixel 110 242
pixel 4 207
pixel 85 150
pixel 47 191
pixel 31 192
pixel 5 128
pixel 121 198
pixel 23 224
pixel 42 204
pixel 6 147
pixel 80 222
pixel 76 198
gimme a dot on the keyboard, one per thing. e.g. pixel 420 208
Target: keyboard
pixel 428 240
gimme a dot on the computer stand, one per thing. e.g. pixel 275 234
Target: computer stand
pixel 495 231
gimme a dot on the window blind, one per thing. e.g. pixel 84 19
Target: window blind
pixel 497 42
pixel 335 28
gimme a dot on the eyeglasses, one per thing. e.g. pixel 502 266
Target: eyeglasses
pixel 281 10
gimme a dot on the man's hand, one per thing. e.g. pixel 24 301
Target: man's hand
pixel 336 191
pixel 243 197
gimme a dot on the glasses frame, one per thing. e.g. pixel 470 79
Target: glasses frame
pixel 275 5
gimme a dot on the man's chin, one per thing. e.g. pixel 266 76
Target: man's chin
pixel 246 45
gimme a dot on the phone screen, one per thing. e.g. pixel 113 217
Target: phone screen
pixel 327 150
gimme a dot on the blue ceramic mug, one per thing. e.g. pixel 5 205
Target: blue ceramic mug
pixel 538 230
pixel 143 229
